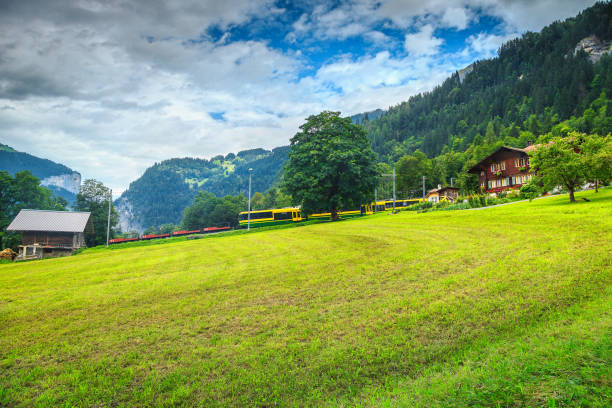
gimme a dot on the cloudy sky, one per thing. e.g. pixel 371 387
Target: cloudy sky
pixel 109 87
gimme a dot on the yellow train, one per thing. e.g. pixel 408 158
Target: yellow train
pixel 262 218
pixel 387 205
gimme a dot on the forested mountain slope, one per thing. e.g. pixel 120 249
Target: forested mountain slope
pixel 60 179
pixel 161 194
pixel 535 82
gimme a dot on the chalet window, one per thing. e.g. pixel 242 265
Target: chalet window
pixel 523 179
pixel 521 162
pixel 498 183
pixel 498 166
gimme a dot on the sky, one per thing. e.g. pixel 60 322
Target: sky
pixel 110 87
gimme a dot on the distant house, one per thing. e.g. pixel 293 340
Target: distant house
pixel 505 168
pixel 50 233
pixel 441 193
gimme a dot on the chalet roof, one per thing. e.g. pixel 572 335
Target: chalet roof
pixel 54 221
pixel 476 168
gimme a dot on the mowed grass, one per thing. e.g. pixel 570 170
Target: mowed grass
pixel 507 306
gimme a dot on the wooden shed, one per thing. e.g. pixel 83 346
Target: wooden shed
pixel 50 233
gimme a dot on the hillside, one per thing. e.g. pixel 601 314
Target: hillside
pixel 161 194
pixel 60 179
pixel 462 308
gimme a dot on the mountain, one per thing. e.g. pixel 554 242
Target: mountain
pixel 161 194
pixel 60 179
pixel 367 116
pixel 534 83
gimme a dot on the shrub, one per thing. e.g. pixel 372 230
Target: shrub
pixel 491 200
pixel 474 202
pixel 529 191
pixel 513 195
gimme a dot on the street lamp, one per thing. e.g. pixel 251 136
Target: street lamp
pixel 249 212
pixel 110 199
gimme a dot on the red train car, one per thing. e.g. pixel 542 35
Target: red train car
pixel 215 229
pixel 153 236
pixel 121 240
pixel 179 233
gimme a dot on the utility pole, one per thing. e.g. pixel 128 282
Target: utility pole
pixel 423 187
pixel 392 175
pixel 375 200
pixel 394 189
pixel 249 213
pixel 110 198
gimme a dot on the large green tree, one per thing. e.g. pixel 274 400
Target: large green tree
pixel 410 170
pixel 94 197
pixel 560 163
pixel 597 159
pixel 331 165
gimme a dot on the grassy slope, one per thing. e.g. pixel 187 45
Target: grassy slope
pixel 508 306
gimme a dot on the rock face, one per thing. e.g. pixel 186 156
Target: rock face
pixel 594 47
pixel 127 219
pixel 464 72
pixel 70 182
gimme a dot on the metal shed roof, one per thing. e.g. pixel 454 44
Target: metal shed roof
pixel 56 221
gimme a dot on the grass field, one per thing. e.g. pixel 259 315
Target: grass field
pixel 508 306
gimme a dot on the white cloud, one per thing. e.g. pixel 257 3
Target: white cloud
pixel 457 17
pixel 423 42
pixel 485 45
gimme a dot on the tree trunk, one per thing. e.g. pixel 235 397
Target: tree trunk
pixel 571 195
pixel 334 214
pixel 596 185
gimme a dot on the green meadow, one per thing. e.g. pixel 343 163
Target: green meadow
pixel 505 306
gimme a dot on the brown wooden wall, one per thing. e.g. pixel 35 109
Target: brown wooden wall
pixel 64 239
pixel 509 157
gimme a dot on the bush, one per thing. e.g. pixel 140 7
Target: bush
pixel 529 191
pixel 513 195
pixel 474 201
pixel 420 206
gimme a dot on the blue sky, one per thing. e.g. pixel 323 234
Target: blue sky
pixel 115 86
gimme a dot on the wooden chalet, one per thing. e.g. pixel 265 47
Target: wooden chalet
pixel 438 194
pixel 504 169
pixel 50 233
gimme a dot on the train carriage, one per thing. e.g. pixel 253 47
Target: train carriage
pixel 366 209
pixel 262 218
pixel 387 205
